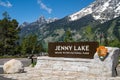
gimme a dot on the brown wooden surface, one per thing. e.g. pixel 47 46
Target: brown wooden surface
pixel 72 53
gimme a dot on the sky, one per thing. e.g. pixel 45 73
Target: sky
pixel 31 10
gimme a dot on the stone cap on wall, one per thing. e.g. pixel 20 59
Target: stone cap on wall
pixel 64 59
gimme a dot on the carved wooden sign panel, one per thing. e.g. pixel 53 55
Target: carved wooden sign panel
pixel 72 49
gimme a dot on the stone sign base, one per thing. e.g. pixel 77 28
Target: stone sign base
pixel 96 67
pixel 85 66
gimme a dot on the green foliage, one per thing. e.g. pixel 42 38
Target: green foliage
pixel 9 35
pixel 33 64
pixel 6 15
pixel 68 36
pixel 88 33
pixel 24 46
pixel 115 43
pixel 30 45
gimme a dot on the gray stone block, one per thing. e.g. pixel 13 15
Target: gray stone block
pixel 111 60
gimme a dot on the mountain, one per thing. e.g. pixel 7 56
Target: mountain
pixel 50 20
pixel 102 10
pixel 24 24
pixel 34 27
pixel 100 21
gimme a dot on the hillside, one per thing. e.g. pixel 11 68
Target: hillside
pixel 100 21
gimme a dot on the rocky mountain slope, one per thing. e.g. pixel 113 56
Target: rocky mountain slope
pixel 100 21
pixel 102 10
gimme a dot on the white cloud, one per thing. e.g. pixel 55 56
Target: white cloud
pixel 5 4
pixel 43 6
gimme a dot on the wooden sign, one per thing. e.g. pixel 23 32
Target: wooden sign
pixel 72 49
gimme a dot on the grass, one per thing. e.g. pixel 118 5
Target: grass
pixel 33 64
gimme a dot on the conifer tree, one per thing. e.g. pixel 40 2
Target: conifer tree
pixel 9 35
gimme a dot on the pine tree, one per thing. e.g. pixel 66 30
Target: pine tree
pixel 8 34
pixel 24 46
pixel 30 45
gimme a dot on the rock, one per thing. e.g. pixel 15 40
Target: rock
pixel 110 62
pixel 94 67
pixel 13 66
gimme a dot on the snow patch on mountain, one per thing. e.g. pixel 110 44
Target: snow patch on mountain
pixel 83 12
pixel 102 10
pixel 50 20
pixel 117 10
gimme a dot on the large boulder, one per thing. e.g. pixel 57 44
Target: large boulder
pixel 110 62
pixel 13 66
